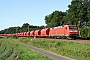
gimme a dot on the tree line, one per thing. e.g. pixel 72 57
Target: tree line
pixel 24 28
pixel 78 13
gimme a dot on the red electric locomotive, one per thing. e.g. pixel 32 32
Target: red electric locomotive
pixel 65 31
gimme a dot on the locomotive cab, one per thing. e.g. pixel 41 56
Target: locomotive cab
pixel 71 31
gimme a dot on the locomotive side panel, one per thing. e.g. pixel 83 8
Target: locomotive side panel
pixel 57 32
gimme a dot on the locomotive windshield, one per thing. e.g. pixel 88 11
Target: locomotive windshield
pixel 72 27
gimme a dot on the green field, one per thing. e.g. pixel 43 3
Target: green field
pixel 69 49
pixel 11 51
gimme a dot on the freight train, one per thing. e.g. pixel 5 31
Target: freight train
pixel 66 31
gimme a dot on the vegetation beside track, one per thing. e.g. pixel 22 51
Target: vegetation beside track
pixel 11 51
pixel 8 50
pixel 69 49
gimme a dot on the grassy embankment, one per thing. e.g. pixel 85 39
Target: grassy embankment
pixel 69 49
pixel 11 51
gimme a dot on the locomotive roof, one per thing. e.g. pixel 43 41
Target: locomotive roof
pixel 62 26
pixel 57 27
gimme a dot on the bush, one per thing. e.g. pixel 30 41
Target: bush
pixel 84 33
pixel 14 37
pixel 1 37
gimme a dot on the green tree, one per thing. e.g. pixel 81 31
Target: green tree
pixel 24 27
pixel 55 19
pixel 78 12
pixel 88 11
pixel 17 29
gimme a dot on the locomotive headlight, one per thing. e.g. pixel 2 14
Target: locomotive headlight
pixel 73 30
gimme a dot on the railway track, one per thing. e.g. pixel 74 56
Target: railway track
pixel 82 41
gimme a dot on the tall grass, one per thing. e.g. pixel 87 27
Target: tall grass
pixel 15 51
pixel 26 54
pixel 70 49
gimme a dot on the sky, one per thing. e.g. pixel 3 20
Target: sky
pixel 15 13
